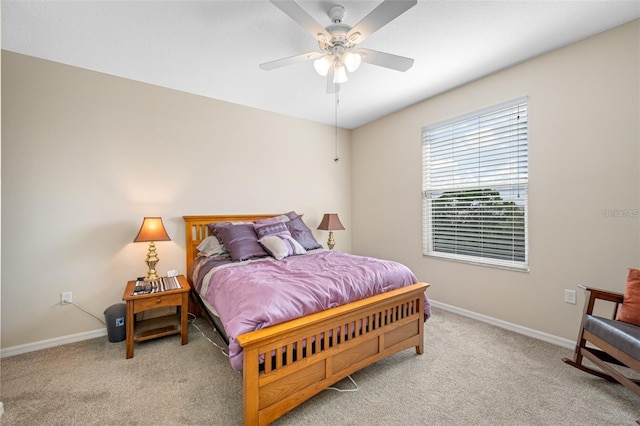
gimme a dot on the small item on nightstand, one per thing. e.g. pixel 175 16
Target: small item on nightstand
pixel 142 287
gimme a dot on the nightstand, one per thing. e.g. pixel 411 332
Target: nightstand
pixel 139 331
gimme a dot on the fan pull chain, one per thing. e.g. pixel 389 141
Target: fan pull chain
pixel 336 159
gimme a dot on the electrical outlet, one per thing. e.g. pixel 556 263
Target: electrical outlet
pixel 570 296
pixel 65 297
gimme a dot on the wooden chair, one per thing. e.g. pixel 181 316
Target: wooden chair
pixel 607 342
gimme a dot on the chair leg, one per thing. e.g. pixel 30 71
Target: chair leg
pixel 586 369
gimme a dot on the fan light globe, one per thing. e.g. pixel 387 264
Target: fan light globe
pixel 322 65
pixel 340 75
pixel 352 61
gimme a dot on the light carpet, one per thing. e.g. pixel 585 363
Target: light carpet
pixel 470 373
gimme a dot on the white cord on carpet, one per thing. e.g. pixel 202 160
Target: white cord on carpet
pixel 346 390
pixel 193 323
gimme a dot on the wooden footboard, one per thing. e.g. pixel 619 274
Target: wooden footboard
pixel 304 356
pixel 286 364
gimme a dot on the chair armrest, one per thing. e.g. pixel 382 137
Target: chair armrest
pixel 592 294
pixel 597 293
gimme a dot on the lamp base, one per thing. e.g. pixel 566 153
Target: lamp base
pixel 151 276
pixel 331 242
pixel 152 260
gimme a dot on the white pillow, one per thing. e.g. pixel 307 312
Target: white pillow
pixel 210 246
pixel 281 246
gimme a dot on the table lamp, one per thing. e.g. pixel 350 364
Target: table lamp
pixel 152 230
pixel 331 222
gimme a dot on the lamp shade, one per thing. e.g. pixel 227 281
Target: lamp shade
pixel 340 75
pixel 330 222
pixel 322 65
pixel 151 230
pixel 352 61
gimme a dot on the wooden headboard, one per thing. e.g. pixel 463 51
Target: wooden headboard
pixel 197 230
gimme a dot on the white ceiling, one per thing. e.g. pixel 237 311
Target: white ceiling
pixel 213 48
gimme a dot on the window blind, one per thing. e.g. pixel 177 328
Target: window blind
pixel 475 183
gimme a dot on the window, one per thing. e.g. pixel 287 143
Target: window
pixel 475 182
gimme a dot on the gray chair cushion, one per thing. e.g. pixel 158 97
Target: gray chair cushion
pixel 622 335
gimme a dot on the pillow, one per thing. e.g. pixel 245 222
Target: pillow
pixel 211 246
pixel 214 228
pixel 281 246
pixel 285 217
pixel 291 215
pixel 302 234
pixel 271 226
pixel 239 239
pixel 630 310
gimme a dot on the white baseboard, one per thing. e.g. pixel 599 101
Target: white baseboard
pixel 549 338
pixel 49 343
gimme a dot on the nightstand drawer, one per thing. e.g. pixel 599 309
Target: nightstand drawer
pixel 157 301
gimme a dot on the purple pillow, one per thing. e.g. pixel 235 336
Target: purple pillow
pixel 291 215
pixel 271 226
pixel 214 229
pixel 302 234
pixel 240 240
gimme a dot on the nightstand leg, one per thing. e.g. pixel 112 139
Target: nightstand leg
pixel 184 318
pixel 129 329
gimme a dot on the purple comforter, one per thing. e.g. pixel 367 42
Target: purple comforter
pixel 255 295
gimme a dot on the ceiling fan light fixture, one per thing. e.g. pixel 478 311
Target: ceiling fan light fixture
pixel 340 75
pixel 352 61
pixel 322 65
pixel 338 42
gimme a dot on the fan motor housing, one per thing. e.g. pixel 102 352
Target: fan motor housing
pixel 336 14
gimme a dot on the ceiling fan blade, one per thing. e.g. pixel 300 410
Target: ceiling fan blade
pixel 386 12
pixel 278 63
pixel 298 14
pixel 387 60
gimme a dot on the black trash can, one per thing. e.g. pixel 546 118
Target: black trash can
pixel 114 316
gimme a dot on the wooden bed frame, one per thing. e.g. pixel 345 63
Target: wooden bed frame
pixel 306 355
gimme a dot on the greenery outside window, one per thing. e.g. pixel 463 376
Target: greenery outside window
pixel 475 185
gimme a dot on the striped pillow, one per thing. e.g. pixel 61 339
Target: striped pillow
pixel 281 246
pixel 271 226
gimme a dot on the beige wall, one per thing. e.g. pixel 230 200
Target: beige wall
pixel 584 137
pixel 86 155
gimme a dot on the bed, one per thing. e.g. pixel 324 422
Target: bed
pixel 286 363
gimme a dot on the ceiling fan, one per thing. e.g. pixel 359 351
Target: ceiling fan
pixel 338 42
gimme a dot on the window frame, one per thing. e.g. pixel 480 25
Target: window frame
pixel 517 214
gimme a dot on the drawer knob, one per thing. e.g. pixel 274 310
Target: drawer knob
pixel 158 300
